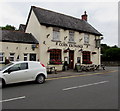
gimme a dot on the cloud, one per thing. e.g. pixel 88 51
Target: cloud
pixel 101 15
pixel 10 15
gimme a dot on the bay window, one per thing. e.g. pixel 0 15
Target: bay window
pixel 55 56
pixel 86 57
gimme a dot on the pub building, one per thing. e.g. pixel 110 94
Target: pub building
pixel 64 38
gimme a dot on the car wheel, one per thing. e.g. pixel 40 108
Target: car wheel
pixel 40 79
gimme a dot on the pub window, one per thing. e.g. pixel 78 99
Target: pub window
pixel 55 56
pixel 12 56
pixel 25 57
pixel 1 56
pixel 86 57
pixel 71 36
pixel 56 34
pixel 86 39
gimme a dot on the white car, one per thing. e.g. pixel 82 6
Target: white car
pixel 23 71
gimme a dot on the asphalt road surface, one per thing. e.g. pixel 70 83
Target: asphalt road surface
pixel 90 91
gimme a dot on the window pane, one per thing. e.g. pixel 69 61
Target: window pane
pixel 12 56
pixel 86 39
pixel 55 56
pixel 1 57
pixel 25 57
pixel 56 34
pixel 71 36
pixel 24 66
pixel 86 57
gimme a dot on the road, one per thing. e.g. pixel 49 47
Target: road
pixel 90 91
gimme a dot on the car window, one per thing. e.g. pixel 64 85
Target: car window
pixel 16 67
pixel 23 66
pixel 4 67
pixel 20 66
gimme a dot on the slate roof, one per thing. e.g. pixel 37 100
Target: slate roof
pixel 50 18
pixel 17 37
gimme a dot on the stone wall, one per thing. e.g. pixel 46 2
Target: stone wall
pixel 111 63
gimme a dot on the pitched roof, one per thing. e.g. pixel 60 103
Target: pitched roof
pixel 22 27
pixel 50 18
pixel 17 37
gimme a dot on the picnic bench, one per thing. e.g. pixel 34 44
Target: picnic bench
pixel 87 67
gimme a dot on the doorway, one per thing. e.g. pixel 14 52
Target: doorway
pixel 71 59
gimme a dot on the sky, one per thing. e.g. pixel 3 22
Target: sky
pixel 102 14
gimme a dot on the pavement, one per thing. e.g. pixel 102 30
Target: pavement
pixel 74 73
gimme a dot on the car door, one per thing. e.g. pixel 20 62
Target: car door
pixel 17 73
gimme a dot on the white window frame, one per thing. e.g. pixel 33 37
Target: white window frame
pixel 12 56
pixel 56 34
pixel 86 38
pixel 71 36
pixel 25 56
pixel 2 57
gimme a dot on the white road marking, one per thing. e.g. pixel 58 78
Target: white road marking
pixel 84 85
pixel 12 99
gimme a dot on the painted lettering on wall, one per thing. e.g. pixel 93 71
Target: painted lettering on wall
pixel 69 45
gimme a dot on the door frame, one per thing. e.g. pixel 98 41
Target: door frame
pixel 71 59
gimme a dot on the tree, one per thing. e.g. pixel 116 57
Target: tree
pixel 8 27
pixel 113 54
pixel 110 53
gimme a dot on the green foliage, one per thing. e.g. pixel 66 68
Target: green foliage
pixel 8 27
pixel 110 53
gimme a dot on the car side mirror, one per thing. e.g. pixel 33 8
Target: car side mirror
pixel 9 71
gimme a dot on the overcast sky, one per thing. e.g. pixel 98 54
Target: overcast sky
pixel 101 15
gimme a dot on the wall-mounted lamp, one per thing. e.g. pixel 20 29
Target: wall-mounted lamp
pixel 33 46
pixel 97 38
pixel 37 45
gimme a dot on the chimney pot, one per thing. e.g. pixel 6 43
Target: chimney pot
pixel 84 17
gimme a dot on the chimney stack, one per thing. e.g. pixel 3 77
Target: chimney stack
pixel 84 17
